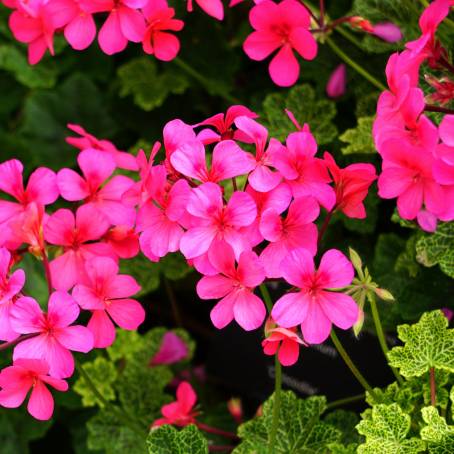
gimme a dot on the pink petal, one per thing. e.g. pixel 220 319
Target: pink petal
pixel 409 202
pixel 213 287
pixel 249 310
pixel 205 200
pixel 271 226
pixel 316 326
pixel 72 186
pixel 291 309
pixel 59 228
pixel 122 286
pixel 172 350
pixel 272 257
pixel 260 44
pixel 196 241
pixel 26 316
pixel 189 159
pixel 65 270
pixel 110 37
pixel 222 257
pixel 284 68
pixel 337 82
pixel 102 329
pixel 76 338
pixel 166 46
pixel 126 313
pixel 41 403
pixel 42 187
pixel 91 224
pixel 96 166
pixel 222 314
pixel 81 31
pixel 341 309
pixel 186 396
pixel 132 24
pixel 298 268
pixel 304 43
pixel 288 352
pixel 446 130
pixel 335 270
pixel 214 8
pixel 263 179
pixel 241 209
pixel 250 270
pixel 62 309
pixel 229 161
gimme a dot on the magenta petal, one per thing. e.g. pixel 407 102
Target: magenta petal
pixel 172 350
pixel 222 314
pixel 284 68
pixel 335 270
pixel 249 310
pixel 260 44
pixel 341 309
pixel 196 241
pixel 304 43
pixel 126 313
pixel 166 46
pixel 212 287
pixel 316 326
pixel 81 31
pixel 102 328
pixel 41 403
pixel 76 338
pixel 291 309
pixel 110 37
pixel 288 352
pixel 26 316
pixel 62 310
pixel 132 24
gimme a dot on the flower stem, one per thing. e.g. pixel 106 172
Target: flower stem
pixel 380 333
pixel 12 343
pixel 354 370
pixel 277 403
pixel 433 387
pixel 344 401
pixel 216 431
pixel 324 227
pixel 173 303
pixel 47 270
pixel 220 448
pixel 359 69
pixel 118 413
pixel 266 296
pixel 207 83
pixel 431 108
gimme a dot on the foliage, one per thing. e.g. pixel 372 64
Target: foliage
pixel 168 440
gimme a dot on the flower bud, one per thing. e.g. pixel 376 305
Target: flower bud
pixel 387 31
pixel 337 82
pixel 384 294
pixel 235 409
pixel 356 260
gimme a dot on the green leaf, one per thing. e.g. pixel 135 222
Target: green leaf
pixel 428 343
pixel 306 107
pixel 438 435
pixel 339 448
pixel 168 440
pixel 140 78
pixel 15 62
pixel 359 139
pixel 346 422
pixel 110 436
pixel 438 248
pixel 145 272
pixel 174 267
pixel 386 430
pixel 126 344
pixel 300 429
pixel 103 374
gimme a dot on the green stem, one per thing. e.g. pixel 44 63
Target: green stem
pixel 380 334
pixel 354 370
pixel 208 84
pixel 277 403
pixel 118 413
pixel 344 401
pixel 266 296
pixel 349 36
pixel 336 49
pixel 433 387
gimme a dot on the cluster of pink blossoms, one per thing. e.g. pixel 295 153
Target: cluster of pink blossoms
pixel 418 155
pixel 284 27
pixel 245 215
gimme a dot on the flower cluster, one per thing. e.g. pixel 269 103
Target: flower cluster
pixel 418 155
pixel 239 205
pixel 284 27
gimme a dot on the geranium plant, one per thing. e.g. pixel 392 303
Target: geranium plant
pixel 249 213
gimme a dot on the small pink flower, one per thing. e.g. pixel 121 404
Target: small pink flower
pixel 92 188
pixel 283 26
pixel 228 161
pixel 337 83
pixel 157 41
pixel 41 188
pixel 223 124
pixel 76 235
pixel 213 8
pixel 55 337
pixel 285 342
pixel 123 160
pixel 179 413
pixel 297 230
pixel 25 374
pixel 351 185
pixel 10 286
pixel 172 350
pixel 316 306
pixel 106 293
pixel 235 286
pixel 214 221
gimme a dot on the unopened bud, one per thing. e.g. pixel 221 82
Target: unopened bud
pixel 235 409
pixel 356 260
pixel 384 294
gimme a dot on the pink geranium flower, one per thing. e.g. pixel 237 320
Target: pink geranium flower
pixel 235 285
pixel 76 235
pixel 297 230
pixel 228 161
pixel 351 185
pixel 214 221
pixel 180 413
pixel 443 169
pixel 106 293
pixel 172 350
pixel 10 286
pixel 41 188
pixel 123 160
pixel 316 306
pixel 223 124
pixel 283 26
pixel 92 188
pixel 158 219
pixel 306 174
pixel 25 374
pixel 213 8
pixel 262 178
pixel 123 240
pixel 285 342
pixel 157 41
pixel 54 336
pixel 124 23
